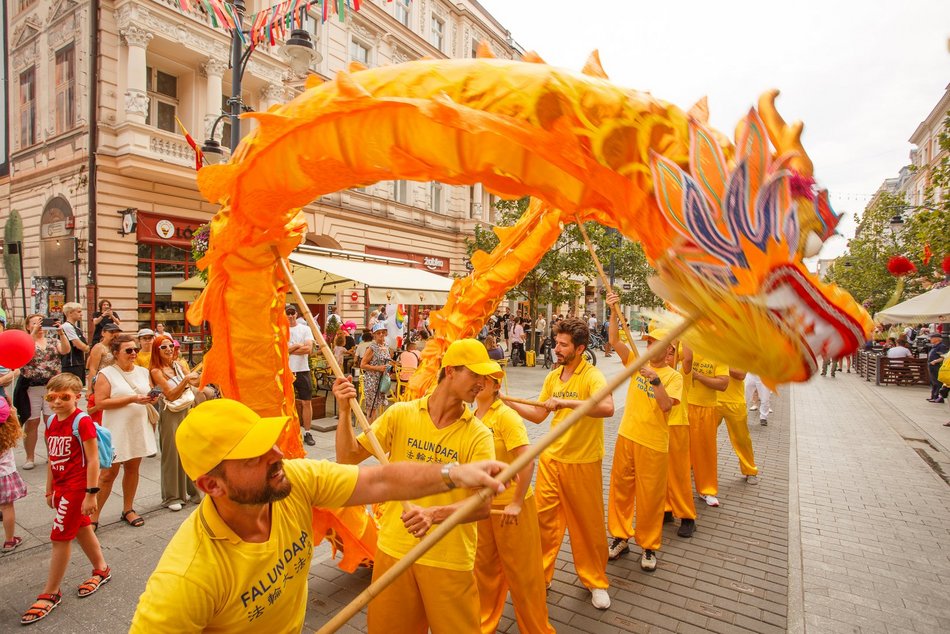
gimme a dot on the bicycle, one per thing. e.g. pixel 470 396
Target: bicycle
pixel 545 352
pixel 596 342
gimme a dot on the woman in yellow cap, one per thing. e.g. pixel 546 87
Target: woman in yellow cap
pixel 509 541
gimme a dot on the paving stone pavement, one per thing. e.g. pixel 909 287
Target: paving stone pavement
pixel 846 531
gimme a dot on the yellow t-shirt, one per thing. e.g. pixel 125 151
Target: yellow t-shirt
pixel 209 580
pixel 699 394
pixel 407 432
pixel 735 392
pixel 678 414
pixel 144 357
pixel 508 433
pixel 643 421
pixel 584 442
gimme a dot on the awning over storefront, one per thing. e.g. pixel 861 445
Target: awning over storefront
pixel 319 278
pixel 387 283
pixel 932 306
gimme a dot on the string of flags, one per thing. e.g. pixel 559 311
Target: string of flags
pixel 271 24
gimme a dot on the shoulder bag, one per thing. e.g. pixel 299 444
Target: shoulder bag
pixel 187 398
pixel 150 410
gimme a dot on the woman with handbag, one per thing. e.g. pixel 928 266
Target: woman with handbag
pixel 122 393
pixel 375 366
pixel 178 397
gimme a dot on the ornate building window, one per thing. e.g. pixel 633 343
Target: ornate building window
pixel 28 107
pixel 437 32
pixel 65 88
pixel 360 52
pixel 435 190
pixel 401 11
pixel 162 90
pixel 401 192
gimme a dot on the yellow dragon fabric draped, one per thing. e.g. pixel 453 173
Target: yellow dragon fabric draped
pixel 580 146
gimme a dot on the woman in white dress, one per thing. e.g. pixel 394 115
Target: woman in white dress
pixel 122 393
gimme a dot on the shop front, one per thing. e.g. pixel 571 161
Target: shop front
pixel 416 313
pixel 164 260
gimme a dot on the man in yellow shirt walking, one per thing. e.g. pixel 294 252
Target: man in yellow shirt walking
pixel 679 498
pixel 639 471
pixel 731 407
pixel 239 563
pixel 570 487
pixel 438 592
pixel 706 378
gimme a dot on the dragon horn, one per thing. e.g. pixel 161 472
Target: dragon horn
pixel 785 138
pixel 593 67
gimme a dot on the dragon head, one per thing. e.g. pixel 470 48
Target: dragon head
pixel 730 251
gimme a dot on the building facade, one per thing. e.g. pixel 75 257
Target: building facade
pixel 103 180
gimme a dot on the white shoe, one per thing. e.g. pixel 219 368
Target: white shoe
pixel 174 506
pixel 616 547
pixel 599 598
pixel 771 410
pixel 648 561
pixel 753 408
pixel 710 500
pixel 751 479
pixel 28 465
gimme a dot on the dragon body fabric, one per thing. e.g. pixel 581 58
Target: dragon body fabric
pixel 583 149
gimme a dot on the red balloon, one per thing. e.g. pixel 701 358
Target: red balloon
pixel 16 349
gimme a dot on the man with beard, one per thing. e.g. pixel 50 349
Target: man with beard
pixel 438 592
pixel 570 488
pixel 240 562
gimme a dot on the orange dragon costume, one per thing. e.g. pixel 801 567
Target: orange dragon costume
pixel 584 149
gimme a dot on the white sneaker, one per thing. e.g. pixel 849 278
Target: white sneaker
pixel 616 547
pixel 648 561
pixel 599 598
pixel 28 465
pixel 710 500
pixel 752 479
pixel 771 410
pixel 753 408
pixel 174 506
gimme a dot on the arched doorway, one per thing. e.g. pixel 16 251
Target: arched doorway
pixel 57 244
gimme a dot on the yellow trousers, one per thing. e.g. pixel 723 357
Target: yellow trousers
pixel 737 424
pixel 702 448
pixel 637 488
pixel 679 490
pixel 509 558
pixel 421 598
pixel 571 496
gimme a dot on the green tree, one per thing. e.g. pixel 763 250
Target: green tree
pixel 938 184
pixel 551 282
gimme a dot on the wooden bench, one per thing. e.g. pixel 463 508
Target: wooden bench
pixel 908 371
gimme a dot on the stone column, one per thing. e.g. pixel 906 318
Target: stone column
pixel 213 70
pixel 271 95
pixel 136 95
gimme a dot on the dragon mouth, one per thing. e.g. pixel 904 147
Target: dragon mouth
pixel 825 329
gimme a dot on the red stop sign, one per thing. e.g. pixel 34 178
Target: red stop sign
pixel 354 296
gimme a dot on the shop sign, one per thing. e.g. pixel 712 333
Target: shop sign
pixel 155 228
pixel 433 263
pixel 354 296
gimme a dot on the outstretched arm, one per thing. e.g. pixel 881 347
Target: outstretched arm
pixel 410 480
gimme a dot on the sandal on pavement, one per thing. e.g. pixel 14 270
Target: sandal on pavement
pixel 93 583
pixel 138 521
pixel 10 546
pixel 39 611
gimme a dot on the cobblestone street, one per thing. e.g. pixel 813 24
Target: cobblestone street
pixel 846 531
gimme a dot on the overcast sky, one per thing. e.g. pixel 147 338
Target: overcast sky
pixel 861 74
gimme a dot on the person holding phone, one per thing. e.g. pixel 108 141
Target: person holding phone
pixel 45 364
pixel 105 315
pixel 122 393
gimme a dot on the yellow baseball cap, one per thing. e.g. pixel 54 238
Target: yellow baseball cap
pixel 223 429
pixel 657 333
pixel 473 355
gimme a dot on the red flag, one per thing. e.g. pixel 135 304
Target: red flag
pixel 928 254
pixel 199 157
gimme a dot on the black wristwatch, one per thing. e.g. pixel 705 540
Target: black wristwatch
pixel 655 381
pixel 92 490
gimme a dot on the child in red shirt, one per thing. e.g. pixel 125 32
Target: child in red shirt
pixel 72 475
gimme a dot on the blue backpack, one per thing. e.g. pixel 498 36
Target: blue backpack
pixel 103 439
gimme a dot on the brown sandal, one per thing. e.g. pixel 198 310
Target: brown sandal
pixel 38 611
pixel 90 585
pixel 138 521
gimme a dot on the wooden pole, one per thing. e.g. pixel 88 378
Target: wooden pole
pixel 523 401
pixel 483 495
pixel 331 360
pixel 603 278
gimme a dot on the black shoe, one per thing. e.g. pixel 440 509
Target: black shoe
pixel 687 528
pixel 308 439
pixel 668 517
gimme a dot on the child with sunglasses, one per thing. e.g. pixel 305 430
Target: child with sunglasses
pixel 12 486
pixel 72 477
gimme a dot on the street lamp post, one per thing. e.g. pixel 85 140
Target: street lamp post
pixel 298 49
